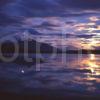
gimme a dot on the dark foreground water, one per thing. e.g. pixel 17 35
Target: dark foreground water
pixel 63 74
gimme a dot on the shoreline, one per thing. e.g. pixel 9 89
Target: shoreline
pixel 46 96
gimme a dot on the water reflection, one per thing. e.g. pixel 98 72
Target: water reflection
pixel 78 75
pixel 92 63
pixel 82 71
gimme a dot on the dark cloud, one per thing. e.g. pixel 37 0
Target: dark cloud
pixel 14 11
pixel 54 4
pixel 29 7
pixel 97 47
pixel 79 36
pixel 4 2
pixel 70 47
pixel 36 4
pixel 46 25
pixel 32 31
pixel 85 36
pixel 34 8
pixel 7 20
pixel 46 7
pixel 72 23
pixel 81 4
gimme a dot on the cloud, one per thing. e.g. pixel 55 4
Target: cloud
pixel 97 47
pixel 85 36
pixel 46 25
pixel 32 31
pixel 80 4
pixel 7 20
pixel 35 13
pixel 70 47
pixel 4 2
pixel 29 8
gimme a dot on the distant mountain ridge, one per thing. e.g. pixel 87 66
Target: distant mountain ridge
pixel 24 41
pixel 33 47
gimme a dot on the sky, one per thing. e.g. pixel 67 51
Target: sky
pixel 67 23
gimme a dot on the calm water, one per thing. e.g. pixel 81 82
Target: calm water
pixel 65 74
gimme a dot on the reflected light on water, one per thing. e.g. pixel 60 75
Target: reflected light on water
pixel 92 56
pixel 92 64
